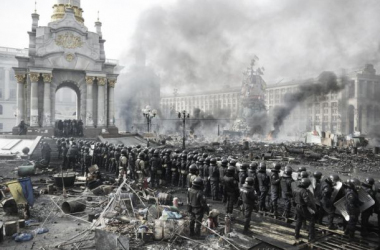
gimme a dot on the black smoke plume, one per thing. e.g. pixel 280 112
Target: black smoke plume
pixel 327 82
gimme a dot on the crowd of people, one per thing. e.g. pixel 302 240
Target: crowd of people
pixel 68 128
pixel 248 186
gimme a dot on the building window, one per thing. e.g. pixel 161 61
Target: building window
pixel 1 126
pixel 1 93
pixel 1 109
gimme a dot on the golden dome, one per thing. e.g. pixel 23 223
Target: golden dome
pixel 60 6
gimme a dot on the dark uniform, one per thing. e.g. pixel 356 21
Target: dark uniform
pixel 206 181
pixel 183 173
pixel 248 196
pixel 214 179
pixel 264 182
pixel 73 155
pixel 167 167
pixel 305 208
pixel 174 171
pixel 197 206
pixel 132 164
pixel 327 206
pixel 366 214
pixel 352 206
pixel 155 166
pixel 59 147
pixel 286 190
pixel 64 154
pixel 252 172
pixel 230 189
pixel 275 187
pixel 222 173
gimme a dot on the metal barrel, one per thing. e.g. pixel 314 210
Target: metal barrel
pixel 24 171
pixel 75 206
pixel 354 150
pixel 376 150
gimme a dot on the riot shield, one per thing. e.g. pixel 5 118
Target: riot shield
pixel 336 190
pixel 340 206
pixel 366 199
pixel 295 176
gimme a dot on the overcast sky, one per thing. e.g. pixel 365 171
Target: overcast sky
pixel 210 42
pixel 119 19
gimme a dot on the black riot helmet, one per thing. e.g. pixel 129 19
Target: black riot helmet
pixel 262 167
pixel 249 181
pixel 317 175
pixel 370 181
pixel 207 161
pixel 197 183
pixel 231 170
pixel 193 169
pixel 334 178
pixel 253 166
pixel 224 163
pixel 353 183
pixel 300 169
pixel 244 167
pixel 276 167
pixel 124 152
pixel 233 162
pixel 201 160
pixel 288 171
pixel 156 152
pixel 304 175
pixel 305 182
pixel 213 161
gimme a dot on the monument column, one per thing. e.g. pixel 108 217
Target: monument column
pixel 47 99
pixel 34 99
pixel 111 102
pixel 20 98
pixel 89 101
pixel 101 91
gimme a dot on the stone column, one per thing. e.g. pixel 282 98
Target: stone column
pixel 47 100
pixel 20 115
pixel 6 84
pixel 34 99
pixel 111 102
pixel 101 91
pixel 89 101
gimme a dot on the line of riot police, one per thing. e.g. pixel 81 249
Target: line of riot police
pixel 247 186
pixel 68 128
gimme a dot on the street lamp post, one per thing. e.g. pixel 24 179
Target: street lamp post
pixel 149 115
pixel 183 115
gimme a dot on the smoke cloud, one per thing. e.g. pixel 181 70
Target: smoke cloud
pixel 327 83
pixel 207 43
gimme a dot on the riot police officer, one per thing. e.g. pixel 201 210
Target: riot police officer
pixel 248 196
pixel 368 187
pixel 275 187
pixel 155 166
pixel 264 182
pixel 123 163
pixel 252 172
pixel 141 170
pixel 175 170
pixel 214 179
pixel 352 206
pixel 197 206
pixel 327 206
pixel 222 173
pixel 243 174
pixel 192 175
pixel 167 167
pixel 132 163
pixel 206 180
pixel 183 173
pixel 305 208
pixel 286 190
pixel 230 189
